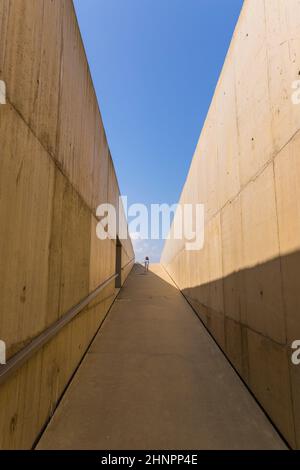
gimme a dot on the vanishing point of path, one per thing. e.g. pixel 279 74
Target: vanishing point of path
pixel 155 379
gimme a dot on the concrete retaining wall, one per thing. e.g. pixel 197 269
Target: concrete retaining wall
pixel 244 283
pixel 55 169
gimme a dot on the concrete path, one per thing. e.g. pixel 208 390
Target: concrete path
pixel 155 379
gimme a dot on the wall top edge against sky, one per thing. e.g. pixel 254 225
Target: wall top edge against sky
pixel 155 65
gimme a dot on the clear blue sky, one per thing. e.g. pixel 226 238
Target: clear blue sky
pixel 155 65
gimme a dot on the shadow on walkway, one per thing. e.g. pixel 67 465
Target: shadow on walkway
pixel 154 379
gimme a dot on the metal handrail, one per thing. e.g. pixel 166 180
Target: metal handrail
pixel 25 353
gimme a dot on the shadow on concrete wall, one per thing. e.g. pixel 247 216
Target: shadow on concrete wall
pixel 254 317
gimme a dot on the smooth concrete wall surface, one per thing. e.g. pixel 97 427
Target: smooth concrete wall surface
pixel 55 169
pixel 244 283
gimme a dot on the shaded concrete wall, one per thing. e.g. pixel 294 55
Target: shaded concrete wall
pixel 244 283
pixel 55 169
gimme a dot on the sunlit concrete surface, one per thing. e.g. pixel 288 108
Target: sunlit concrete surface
pixel 55 169
pixel 155 379
pixel 244 282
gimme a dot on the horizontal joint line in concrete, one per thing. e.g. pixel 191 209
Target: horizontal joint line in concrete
pixel 55 161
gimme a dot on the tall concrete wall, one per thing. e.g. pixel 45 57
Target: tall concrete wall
pixel 244 283
pixel 55 169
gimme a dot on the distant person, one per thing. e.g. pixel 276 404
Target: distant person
pixel 146 263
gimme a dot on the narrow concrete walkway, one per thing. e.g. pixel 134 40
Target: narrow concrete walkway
pixel 155 379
